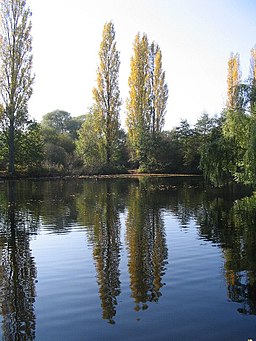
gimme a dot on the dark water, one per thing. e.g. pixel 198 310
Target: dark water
pixel 126 259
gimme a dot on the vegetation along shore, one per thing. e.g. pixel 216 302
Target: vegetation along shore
pixel 222 148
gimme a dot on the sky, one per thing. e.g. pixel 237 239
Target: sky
pixel 196 38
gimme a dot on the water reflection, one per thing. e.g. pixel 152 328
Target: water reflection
pixel 240 257
pixel 99 208
pixel 27 208
pixel 18 271
pixel 58 205
pixel 231 225
pixel 146 244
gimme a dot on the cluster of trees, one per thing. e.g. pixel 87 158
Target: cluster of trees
pixel 223 148
pixel 230 152
pixel 93 143
pixel 102 143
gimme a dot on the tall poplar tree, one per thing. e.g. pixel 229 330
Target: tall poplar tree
pixel 16 77
pixel 253 63
pixel 159 90
pixel 252 81
pixel 235 122
pixel 233 80
pixel 146 105
pixel 138 103
pixel 107 95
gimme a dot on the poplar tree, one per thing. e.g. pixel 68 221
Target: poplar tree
pixel 138 103
pixel 235 122
pixel 253 63
pixel 107 95
pixel 146 105
pixel 16 77
pixel 252 81
pixel 159 90
pixel 233 80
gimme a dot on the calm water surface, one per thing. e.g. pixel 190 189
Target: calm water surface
pixel 126 259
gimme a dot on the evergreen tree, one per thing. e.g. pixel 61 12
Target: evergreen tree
pixel 16 77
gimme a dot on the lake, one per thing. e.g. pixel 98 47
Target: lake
pixel 145 258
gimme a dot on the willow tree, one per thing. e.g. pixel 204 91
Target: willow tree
pixel 16 77
pixel 107 95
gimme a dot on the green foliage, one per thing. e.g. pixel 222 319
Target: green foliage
pixel 3 151
pixel 91 149
pixel 56 120
pixel 146 105
pixel 170 154
pixel 249 157
pixel 217 158
pixel 101 144
pixel 29 146
pixel 89 146
pixel 184 134
pixel 107 95
pixel 59 131
pixel 122 154
pixel 55 154
pixel 224 149
pixel 233 81
pixel 230 153
pixel 61 122
pixel 189 145
pixel 204 126
pixel 16 71
pixel 159 90
pixel 73 125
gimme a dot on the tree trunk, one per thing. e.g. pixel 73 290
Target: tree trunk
pixel 108 141
pixel 11 149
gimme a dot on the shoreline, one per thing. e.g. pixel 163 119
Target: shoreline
pixel 101 176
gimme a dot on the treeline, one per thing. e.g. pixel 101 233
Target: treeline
pixel 52 148
pixel 94 143
pixel 223 147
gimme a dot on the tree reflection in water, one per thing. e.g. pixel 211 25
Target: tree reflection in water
pixel 18 271
pixel 147 246
pixel 241 256
pixel 96 205
pixel 231 225
pixel 99 211
pixel 217 216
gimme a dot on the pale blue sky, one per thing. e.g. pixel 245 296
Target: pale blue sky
pixel 196 38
